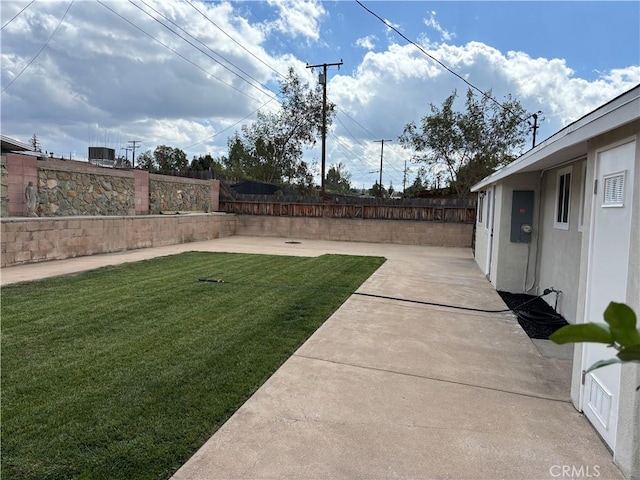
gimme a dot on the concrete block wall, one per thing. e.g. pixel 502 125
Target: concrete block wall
pixel 32 240
pixel 354 230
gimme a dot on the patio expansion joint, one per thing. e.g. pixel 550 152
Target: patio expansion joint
pixel 435 379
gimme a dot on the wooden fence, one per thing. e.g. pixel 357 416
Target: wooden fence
pixel 432 213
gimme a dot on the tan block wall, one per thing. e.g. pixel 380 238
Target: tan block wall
pixel 39 239
pixel 375 231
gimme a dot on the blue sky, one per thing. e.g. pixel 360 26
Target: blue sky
pixel 101 81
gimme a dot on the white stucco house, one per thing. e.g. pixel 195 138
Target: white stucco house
pixel 566 215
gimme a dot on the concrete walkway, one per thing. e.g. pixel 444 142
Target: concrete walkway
pixel 390 389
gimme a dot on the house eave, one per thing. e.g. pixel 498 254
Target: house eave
pixel 572 141
pixel 13 145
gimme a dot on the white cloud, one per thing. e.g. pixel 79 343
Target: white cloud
pixel 102 80
pixel 391 88
pixel 367 42
pixel 298 18
pixel 431 22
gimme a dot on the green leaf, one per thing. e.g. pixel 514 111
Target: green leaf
pixel 603 363
pixel 583 332
pixel 622 320
pixel 630 354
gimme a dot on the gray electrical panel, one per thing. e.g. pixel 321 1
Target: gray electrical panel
pixel 521 216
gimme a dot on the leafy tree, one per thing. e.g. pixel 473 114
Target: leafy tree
pixel 377 190
pixel 338 179
pixel 271 148
pixel 146 161
pixel 415 188
pixel 201 163
pixel 204 163
pixel 467 146
pixel 170 158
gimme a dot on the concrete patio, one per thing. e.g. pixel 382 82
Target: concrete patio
pixel 392 389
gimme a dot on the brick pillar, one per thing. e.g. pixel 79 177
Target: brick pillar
pixel 21 170
pixel 214 199
pixel 141 186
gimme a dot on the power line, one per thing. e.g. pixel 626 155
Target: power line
pixel 43 47
pixel 176 52
pixel 483 93
pixel 262 90
pixel 16 15
pixel 234 40
pixel 231 126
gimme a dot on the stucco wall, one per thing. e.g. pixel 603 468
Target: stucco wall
pixel 511 261
pixel 559 264
pixel 38 239
pixel 354 230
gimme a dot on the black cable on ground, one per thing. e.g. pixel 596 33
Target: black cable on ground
pixel 398 299
pixel 434 304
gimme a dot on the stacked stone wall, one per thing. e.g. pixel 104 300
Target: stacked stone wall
pixel 72 188
pixel 68 193
pixel 176 194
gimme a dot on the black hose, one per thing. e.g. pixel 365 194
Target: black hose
pixel 515 310
pixel 457 307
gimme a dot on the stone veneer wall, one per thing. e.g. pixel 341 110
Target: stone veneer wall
pixel 70 188
pixel 29 240
pixel 177 194
pixel 357 230
pixel 70 193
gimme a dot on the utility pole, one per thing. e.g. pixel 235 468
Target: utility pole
pixel 404 179
pixel 381 142
pixel 134 144
pixel 35 144
pixel 126 153
pixel 323 82
pixel 535 127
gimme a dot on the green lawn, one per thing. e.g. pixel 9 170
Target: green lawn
pixel 123 372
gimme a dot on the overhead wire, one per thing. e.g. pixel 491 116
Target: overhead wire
pixel 41 49
pixel 234 40
pixel 264 88
pixel 176 52
pixel 443 65
pixel 231 126
pixel 16 15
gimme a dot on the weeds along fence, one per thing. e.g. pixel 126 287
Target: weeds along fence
pixel 427 210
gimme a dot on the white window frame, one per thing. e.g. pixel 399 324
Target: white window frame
pixel 583 197
pixel 562 198
pixel 489 203
pixel 480 206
